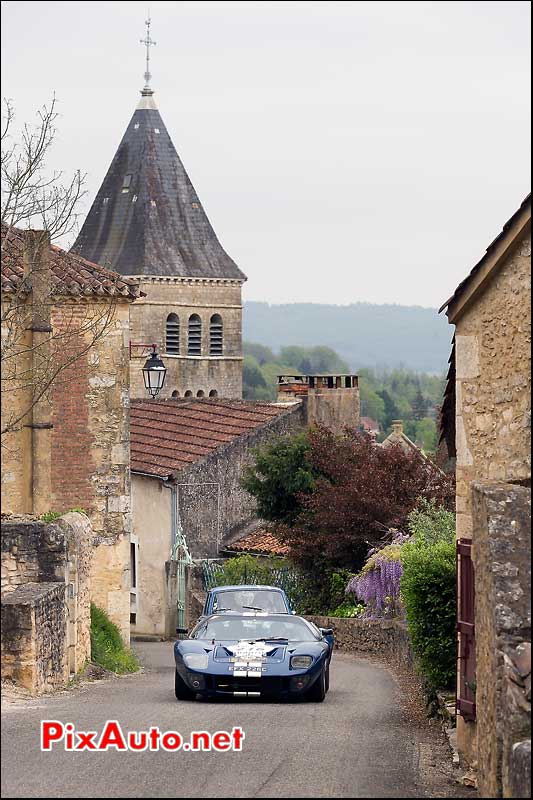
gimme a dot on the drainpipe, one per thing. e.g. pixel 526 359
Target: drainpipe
pixel 36 262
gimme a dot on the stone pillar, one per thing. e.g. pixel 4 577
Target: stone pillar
pixel 36 259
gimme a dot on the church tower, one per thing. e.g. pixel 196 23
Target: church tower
pixel 147 222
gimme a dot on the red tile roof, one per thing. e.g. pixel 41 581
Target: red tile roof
pixel 169 435
pixel 71 274
pixel 262 542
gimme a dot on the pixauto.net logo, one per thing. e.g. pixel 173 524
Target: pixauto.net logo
pixel 112 738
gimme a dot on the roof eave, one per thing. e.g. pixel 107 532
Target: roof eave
pixel 481 274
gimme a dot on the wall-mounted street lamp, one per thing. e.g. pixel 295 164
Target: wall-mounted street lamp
pixel 154 370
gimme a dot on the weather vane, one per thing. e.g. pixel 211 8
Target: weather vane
pixel 148 42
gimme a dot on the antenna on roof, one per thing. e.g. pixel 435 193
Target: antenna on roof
pixel 148 42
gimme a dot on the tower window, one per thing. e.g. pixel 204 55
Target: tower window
pixel 126 183
pixel 216 343
pixel 105 201
pixel 136 126
pixel 213 393
pixel 188 393
pixel 156 130
pixel 172 337
pixel 200 393
pixel 195 336
pixel 175 394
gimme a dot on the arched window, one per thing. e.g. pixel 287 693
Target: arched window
pixel 195 336
pixel 172 339
pixel 213 393
pixel 175 393
pixel 200 393
pixel 188 393
pixel 215 335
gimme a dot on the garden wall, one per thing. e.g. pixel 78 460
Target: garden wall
pixel 370 637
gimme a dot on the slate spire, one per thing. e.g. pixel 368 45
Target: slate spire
pixel 147 218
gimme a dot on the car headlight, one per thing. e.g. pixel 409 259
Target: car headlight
pixel 301 662
pixel 196 660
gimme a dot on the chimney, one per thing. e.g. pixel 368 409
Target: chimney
pixel 397 427
pixel 37 274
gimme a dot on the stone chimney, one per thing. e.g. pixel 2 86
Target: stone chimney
pixel 37 273
pixel 397 427
pixel 329 400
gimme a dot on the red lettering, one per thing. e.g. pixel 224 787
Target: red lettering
pixel 221 740
pixel 155 733
pixel 112 736
pixel 51 731
pixel 238 738
pixel 171 741
pixel 200 737
pixel 141 744
pixel 86 740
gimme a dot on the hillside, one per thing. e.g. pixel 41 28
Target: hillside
pixel 363 334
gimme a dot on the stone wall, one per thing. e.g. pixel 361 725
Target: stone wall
pixel 89 447
pixel 34 637
pixel 214 515
pixel 502 564
pixel 56 554
pixel 183 297
pixel 493 383
pixel 370 637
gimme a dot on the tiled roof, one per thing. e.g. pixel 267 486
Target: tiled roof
pixel 262 541
pixel 169 435
pixel 71 274
pixel 369 424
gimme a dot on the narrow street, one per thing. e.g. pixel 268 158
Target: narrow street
pixel 358 743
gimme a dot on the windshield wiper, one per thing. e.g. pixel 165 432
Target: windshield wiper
pixel 270 639
pixel 253 608
pixel 218 610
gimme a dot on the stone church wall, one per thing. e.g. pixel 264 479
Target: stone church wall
pixel 184 297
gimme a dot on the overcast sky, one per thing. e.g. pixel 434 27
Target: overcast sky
pixel 343 151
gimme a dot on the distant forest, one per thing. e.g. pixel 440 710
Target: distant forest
pixel 363 335
pixel 386 394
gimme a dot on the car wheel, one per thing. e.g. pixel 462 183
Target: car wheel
pixel 317 692
pixel 181 689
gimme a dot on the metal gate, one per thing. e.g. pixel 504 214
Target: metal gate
pixel 180 555
pixel 466 678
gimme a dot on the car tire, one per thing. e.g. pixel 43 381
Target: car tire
pixel 317 692
pixel 181 689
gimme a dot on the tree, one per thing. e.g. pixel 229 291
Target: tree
pixel 390 410
pixel 34 349
pixel 280 477
pixel 259 351
pixel 419 406
pixel 360 491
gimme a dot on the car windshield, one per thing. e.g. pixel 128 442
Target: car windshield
pixel 250 600
pixel 236 628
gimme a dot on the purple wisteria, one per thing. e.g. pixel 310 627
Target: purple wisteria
pixel 378 583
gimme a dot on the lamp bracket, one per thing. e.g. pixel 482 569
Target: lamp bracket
pixel 143 348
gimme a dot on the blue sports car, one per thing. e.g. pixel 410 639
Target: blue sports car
pixel 240 655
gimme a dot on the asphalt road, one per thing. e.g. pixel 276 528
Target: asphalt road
pixel 358 743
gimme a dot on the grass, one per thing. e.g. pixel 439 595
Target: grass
pixel 107 647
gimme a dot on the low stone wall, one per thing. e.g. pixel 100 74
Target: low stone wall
pixel 36 554
pixel 34 637
pixel 502 563
pixel 371 637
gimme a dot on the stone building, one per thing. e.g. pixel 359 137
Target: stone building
pixel 187 461
pixel 486 422
pixel 148 222
pixel 71 448
pixel 329 400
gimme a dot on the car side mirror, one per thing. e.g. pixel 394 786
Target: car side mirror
pixel 326 631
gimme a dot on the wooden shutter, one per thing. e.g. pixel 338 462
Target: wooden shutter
pixel 466 681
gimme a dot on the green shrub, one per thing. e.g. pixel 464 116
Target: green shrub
pixel 430 523
pixel 248 569
pixel 50 516
pixel 427 589
pixel 348 609
pixel 107 647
